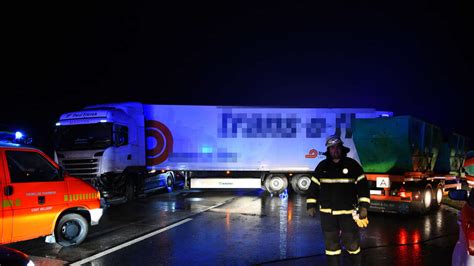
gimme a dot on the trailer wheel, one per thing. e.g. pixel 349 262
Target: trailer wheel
pixel 276 184
pixel 300 183
pixel 437 197
pixel 71 230
pixel 424 205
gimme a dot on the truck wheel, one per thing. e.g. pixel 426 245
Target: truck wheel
pixel 425 204
pixel 71 230
pixel 130 190
pixel 170 183
pixel 437 197
pixel 276 184
pixel 301 183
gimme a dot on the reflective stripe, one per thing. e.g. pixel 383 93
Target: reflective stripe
pixel 65 197
pixel 7 203
pixel 310 200
pixel 315 180
pixel 337 180
pixel 357 251
pixel 335 212
pixel 364 199
pixel 10 203
pixel 333 253
pixel 339 212
pixel 327 210
pixel 360 178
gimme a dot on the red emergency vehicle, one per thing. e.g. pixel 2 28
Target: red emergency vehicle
pixel 39 199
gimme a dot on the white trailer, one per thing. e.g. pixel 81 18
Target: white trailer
pixel 119 147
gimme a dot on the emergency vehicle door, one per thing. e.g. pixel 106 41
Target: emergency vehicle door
pixel 38 193
pixel 6 210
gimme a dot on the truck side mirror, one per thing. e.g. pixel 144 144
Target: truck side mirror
pixel 121 138
pixel 460 194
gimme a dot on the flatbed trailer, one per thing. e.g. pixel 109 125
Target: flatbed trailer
pixel 407 163
pixel 412 192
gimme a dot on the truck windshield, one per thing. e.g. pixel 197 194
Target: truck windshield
pixel 83 137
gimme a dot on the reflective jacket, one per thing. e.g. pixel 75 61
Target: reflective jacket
pixel 339 188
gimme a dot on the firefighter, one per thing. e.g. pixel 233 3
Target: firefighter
pixel 341 190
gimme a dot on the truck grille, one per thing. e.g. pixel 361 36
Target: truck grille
pixel 83 168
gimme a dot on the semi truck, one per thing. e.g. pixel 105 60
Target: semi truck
pixel 125 149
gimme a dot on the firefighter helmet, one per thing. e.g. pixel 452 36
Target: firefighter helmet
pixel 333 140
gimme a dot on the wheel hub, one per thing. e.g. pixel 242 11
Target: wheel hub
pixel 427 199
pixel 304 183
pixel 277 183
pixel 70 230
pixel 439 195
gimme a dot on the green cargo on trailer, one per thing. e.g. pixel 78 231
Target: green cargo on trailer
pixel 399 155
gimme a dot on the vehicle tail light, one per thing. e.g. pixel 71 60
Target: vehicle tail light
pixel 402 192
pixel 405 195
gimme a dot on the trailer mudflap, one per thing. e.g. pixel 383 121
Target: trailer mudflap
pixel 389 206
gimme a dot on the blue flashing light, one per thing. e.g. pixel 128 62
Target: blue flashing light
pixel 58 124
pixel 18 135
pixel 385 115
pixel 103 121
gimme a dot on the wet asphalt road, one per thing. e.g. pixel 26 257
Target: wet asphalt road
pixel 242 228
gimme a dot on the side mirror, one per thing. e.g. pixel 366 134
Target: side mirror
pixel 460 194
pixel 121 139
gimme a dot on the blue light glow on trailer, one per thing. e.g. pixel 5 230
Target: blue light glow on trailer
pixel 206 149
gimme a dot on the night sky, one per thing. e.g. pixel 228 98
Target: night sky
pixel 415 60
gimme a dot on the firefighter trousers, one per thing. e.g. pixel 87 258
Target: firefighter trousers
pixel 337 229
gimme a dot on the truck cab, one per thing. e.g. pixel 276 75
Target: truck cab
pixel 105 146
pixel 40 199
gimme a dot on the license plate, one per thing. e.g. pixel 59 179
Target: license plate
pixel 383 182
pixel 376 192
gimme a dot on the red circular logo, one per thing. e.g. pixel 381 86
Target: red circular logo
pixel 163 146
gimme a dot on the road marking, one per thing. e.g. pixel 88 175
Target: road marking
pixel 136 240
pixel 131 242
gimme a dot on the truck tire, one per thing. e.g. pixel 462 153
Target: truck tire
pixel 424 205
pixel 300 183
pixel 437 197
pixel 130 190
pixel 71 230
pixel 170 183
pixel 276 183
